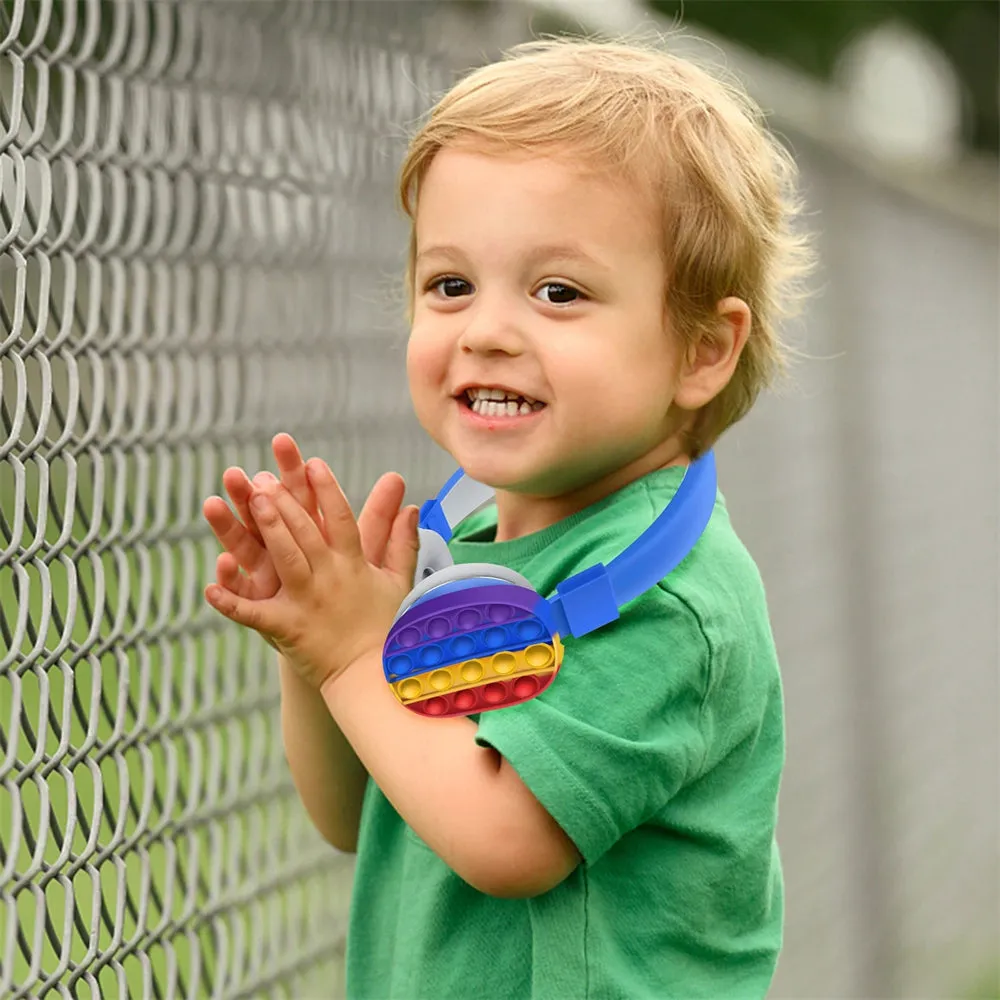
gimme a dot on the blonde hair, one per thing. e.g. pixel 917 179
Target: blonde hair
pixel 725 186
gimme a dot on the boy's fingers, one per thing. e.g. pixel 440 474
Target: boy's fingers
pixel 234 537
pixel 289 561
pixel 229 577
pixel 341 528
pixel 404 543
pixel 223 522
pixel 293 472
pixel 302 528
pixel 378 514
pixel 240 489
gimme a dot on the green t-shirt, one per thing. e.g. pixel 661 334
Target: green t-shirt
pixel 658 749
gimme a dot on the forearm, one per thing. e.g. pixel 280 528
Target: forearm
pixel 326 771
pixel 464 801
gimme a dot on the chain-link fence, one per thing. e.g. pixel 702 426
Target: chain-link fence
pixel 198 248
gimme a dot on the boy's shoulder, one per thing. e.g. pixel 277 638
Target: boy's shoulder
pixel 708 617
pixel 646 705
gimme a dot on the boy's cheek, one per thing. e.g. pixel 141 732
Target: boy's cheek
pixel 426 372
pixel 427 402
pixel 421 358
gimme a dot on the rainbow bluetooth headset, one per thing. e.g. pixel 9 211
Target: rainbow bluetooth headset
pixel 474 637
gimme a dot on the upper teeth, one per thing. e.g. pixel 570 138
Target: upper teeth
pixel 499 402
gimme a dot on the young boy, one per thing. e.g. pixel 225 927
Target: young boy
pixel 601 238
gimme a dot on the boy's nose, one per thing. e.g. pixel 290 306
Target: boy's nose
pixel 491 329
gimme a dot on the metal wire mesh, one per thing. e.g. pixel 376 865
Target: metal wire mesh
pixel 197 248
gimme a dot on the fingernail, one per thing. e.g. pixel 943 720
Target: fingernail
pixel 259 503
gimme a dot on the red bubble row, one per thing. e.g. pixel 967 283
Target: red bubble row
pixel 496 694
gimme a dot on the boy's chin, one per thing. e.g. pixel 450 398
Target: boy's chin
pixel 518 477
pixel 510 474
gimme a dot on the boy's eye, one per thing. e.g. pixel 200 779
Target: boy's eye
pixel 558 294
pixel 451 288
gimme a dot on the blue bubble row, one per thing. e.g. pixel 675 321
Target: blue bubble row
pixel 468 645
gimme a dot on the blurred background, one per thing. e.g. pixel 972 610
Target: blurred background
pixel 199 247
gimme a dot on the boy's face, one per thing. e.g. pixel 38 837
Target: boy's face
pixel 546 283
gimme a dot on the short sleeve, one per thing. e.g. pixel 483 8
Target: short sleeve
pixel 618 732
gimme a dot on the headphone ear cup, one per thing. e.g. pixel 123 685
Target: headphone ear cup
pixel 433 555
pixel 453 576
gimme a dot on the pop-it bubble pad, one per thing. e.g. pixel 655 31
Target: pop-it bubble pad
pixel 472 650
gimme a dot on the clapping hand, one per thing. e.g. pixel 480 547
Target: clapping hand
pixel 321 587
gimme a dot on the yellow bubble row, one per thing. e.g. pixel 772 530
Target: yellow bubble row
pixel 538 659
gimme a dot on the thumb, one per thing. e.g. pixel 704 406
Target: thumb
pixel 404 542
pixel 378 516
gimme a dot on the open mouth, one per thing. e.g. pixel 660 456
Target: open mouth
pixel 488 402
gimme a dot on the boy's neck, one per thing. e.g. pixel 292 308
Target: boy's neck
pixel 520 514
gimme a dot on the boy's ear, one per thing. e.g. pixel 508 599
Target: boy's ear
pixel 710 362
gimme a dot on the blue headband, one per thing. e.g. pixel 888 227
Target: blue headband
pixel 592 598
